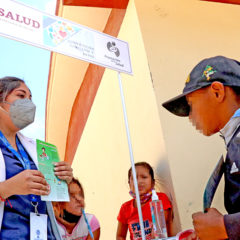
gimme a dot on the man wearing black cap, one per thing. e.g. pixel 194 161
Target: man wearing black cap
pixel 211 100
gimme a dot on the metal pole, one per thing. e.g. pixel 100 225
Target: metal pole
pixel 131 157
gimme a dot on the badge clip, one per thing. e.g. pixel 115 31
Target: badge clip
pixel 35 205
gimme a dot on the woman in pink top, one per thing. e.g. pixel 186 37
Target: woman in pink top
pixel 71 222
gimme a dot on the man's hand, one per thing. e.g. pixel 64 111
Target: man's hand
pixel 210 225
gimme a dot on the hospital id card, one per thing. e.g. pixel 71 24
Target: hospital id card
pixel 38 226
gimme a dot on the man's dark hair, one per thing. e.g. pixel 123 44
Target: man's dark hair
pixel 236 90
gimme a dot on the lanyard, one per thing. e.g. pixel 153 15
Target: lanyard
pixel 21 156
pixel 88 226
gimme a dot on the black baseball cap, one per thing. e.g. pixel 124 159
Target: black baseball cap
pixel 219 68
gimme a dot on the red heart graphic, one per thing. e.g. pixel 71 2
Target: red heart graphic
pixel 62 34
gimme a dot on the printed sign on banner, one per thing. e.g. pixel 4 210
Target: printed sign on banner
pixel 34 27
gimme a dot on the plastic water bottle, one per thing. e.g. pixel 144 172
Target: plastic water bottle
pixel 158 217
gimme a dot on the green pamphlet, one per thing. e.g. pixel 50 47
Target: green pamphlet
pixel 47 154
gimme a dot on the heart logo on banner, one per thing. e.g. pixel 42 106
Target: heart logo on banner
pixel 62 34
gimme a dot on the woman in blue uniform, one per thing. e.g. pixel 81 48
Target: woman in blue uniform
pixel 21 184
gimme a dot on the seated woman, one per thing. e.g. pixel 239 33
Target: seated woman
pixel 70 216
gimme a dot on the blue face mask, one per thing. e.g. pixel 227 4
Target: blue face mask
pixel 21 112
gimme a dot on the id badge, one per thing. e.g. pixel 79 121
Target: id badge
pixel 38 226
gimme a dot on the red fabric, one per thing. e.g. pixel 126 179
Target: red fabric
pixel 182 235
pixel 128 214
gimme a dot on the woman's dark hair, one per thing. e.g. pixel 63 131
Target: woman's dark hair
pixel 145 165
pixel 7 85
pixel 76 181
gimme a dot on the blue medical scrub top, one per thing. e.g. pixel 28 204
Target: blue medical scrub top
pixel 16 219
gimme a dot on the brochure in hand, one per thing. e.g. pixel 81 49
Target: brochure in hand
pixel 47 155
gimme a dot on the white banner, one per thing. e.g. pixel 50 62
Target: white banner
pixel 34 27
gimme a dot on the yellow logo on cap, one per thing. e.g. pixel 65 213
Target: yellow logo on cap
pixel 208 71
pixel 188 79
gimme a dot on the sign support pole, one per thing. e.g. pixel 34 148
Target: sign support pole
pixel 131 158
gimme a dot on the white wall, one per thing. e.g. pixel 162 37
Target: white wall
pixel 177 35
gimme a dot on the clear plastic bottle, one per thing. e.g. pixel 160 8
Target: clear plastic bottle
pixel 158 217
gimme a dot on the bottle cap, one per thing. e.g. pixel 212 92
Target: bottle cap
pixel 154 195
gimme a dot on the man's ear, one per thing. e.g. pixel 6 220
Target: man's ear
pixel 218 90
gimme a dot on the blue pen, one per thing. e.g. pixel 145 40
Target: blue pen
pixel 88 226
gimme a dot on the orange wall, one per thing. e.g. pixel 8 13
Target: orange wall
pixel 66 77
pixel 102 158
